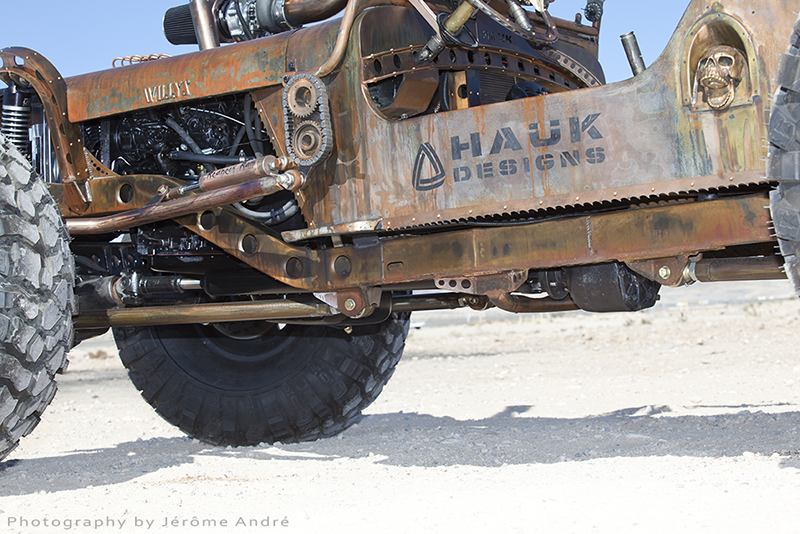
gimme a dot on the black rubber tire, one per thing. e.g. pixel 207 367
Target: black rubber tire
pixel 36 299
pixel 785 206
pixel 783 161
pixel 298 383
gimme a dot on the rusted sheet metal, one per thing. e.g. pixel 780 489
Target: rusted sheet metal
pixel 634 234
pixel 115 194
pixel 269 104
pixel 341 189
pixel 240 67
pixel 628 235
pixel 651 135
pixel 24 66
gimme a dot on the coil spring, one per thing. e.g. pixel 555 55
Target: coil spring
pixel 132 60
pixel 17 118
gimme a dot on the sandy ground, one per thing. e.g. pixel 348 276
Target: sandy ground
pixel 684 418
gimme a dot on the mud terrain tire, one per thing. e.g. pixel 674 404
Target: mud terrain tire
pixel 783 162
pixel 298 383
pixel 36 279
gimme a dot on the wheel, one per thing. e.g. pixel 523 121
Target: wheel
pixel 36 302
pixel 244 387
pixel 783 161
pixel 785 206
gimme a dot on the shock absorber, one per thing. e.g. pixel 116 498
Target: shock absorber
pixel 17 117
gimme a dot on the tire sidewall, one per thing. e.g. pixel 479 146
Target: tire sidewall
pixel 36 297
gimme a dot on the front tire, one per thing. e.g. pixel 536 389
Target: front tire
pixel 783 160
pixel 293 384
pixel 36 280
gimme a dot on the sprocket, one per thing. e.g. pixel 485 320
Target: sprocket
pixel 308 139
pixel 307 120
pixel 302 98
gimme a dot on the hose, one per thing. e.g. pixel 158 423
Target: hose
pixel 239 137
pixel 203 158
pixel 248 124
pixel 184 135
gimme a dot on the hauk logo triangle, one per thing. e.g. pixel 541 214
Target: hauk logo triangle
pixel 431 176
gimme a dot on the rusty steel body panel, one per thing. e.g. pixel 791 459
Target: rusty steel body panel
pixel 554 159
pixel 641 137
pixel 219 71
pixel 24 66
pixel 646 233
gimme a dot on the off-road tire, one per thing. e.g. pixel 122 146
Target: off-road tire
pixel 783 161
pixel 298 383
pixel 36 279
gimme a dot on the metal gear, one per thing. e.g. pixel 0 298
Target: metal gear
pixel 302 97
pixel 307 120
pixel 308 140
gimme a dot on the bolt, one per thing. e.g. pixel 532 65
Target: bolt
pixel 349 305
pixel 285 181
pixel 665 272
pixel 348 329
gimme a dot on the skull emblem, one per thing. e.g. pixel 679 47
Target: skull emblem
pixel 719 73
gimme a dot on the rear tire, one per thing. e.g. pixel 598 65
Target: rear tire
pixel 293 384
pixel 783 161
pixel 36 280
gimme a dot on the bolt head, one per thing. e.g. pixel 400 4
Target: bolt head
pixel 665 272
pixel 349 305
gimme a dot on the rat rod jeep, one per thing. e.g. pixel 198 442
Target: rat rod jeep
pixel 253 220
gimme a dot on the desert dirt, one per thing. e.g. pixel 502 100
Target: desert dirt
pixel 683 418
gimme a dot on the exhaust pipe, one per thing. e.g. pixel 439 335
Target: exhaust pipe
pixel 225 188
pixel 634 54
pixel 207 22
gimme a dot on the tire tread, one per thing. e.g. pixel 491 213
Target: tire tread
pixel 783 159
pixel 323 397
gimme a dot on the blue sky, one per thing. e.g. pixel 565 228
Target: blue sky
pixel 86 35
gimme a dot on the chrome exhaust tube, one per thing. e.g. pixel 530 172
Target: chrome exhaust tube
pixel 220 188
pixel 175 208
pixel 205 28
pixel 634 54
